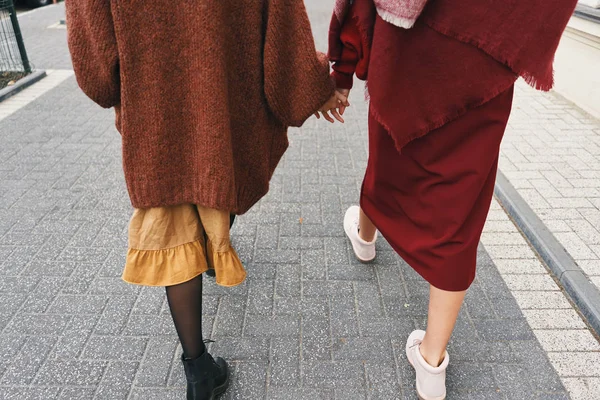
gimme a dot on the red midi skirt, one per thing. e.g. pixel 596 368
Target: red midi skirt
pixel 431 200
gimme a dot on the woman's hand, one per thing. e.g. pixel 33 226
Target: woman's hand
pixel 346 94
pixel 338 100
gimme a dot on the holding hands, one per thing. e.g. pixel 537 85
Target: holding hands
pixel 336 105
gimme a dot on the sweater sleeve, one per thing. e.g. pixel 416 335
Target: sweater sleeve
pixel 296 81
pixel 355 52
pixel 93 47
pixel 345 67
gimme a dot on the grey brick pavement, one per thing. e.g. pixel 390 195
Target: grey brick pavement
pixel 309 323
pixel 551 155
pixel 46 47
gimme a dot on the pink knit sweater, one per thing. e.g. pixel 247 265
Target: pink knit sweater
pixel 402 13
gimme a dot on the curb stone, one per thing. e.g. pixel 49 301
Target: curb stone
pixel 582 292
pixel 21 84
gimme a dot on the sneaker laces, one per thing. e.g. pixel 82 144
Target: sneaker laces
pixel 416 342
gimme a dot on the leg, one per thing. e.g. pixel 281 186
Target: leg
pixel 366 228
pixel 426 351
pixel 185 302
pixel 443 311
pixel 206 377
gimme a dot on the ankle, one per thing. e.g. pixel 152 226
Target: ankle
pixel 197 353
pixel 362 235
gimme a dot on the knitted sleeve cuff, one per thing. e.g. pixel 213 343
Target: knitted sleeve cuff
pixel 343 80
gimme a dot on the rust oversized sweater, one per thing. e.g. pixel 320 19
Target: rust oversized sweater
pixel 203 90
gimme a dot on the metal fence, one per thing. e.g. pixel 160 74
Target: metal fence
pixel 13 57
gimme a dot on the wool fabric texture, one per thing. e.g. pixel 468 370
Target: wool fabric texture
pixel 444 77
pixel 523 35
pixel 433 211
pixel 203 90
pixel 438 112
pixel 356 37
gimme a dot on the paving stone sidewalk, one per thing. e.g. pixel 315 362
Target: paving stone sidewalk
pixel 46 43
pixel 551 155
pixel 309 323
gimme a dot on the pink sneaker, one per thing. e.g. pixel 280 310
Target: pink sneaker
pixel 364 251
pixel 431 381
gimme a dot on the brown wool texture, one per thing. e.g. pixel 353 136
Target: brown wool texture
pixel 204 91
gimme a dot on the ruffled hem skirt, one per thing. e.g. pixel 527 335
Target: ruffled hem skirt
pixel 172 245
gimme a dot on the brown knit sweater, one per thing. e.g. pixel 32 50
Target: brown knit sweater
pixel 204 91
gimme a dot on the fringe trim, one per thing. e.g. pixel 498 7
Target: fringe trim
pixel 449 117
pixel 375 114
pixel 366 93
pixel 535 83
pixel 400 22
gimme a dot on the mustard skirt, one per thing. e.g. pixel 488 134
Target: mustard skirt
pixel 172 245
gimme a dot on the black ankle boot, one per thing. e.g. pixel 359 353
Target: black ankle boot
pixel 206 377
pixel 211 273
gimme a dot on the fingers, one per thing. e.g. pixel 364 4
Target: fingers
pixel 331 103
pixel 342 99
pixel 336 105
pixel 337 115
pixel 328 117
pixel 345 92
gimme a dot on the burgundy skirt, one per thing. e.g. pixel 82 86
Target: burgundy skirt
pixel 431 200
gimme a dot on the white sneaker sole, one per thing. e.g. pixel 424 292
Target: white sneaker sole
pixel 420 394
pixel 429 398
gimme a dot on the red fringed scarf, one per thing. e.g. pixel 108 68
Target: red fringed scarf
pixel 523 35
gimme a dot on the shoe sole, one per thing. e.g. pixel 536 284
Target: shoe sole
pixel 419 395
pixel 365 261
pixel 220 389
pixel 423 398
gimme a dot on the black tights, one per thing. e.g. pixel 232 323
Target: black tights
pixel 185 302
